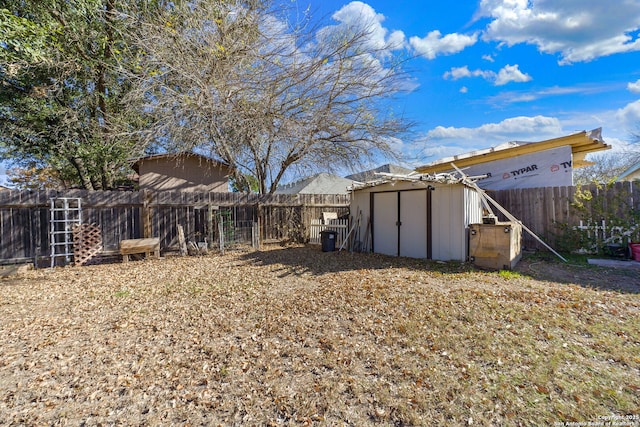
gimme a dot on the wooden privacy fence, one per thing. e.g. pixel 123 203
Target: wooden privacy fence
pixel 25 220
pixel 25 216
pixel 552 212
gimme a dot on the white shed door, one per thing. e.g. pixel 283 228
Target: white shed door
pixel 400 223
pixel 413 224
pixel 385 223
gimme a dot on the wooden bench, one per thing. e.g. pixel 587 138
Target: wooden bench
pixel 149 247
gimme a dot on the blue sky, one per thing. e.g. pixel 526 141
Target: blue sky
pixel 493 71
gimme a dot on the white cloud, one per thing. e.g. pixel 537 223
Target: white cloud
pixel 488 58
pixel 396 40
pixel 618 125
pixel 579 30
pixel 517 128
pixel 629 116
pixel 617 129
pixel 634 87
pixel 510 73
pixel 435 44
pixel 461 72
pixel 512 97
pixel 464 89
pixel 373 51
pixel 457 73
pixel 443 141
pixel 429 152
pixel 619 145
pixel 360 14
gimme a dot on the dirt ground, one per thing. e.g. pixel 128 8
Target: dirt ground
pixel 295 336
pixel 624 278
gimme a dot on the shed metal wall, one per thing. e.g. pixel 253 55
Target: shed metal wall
pixel 473 204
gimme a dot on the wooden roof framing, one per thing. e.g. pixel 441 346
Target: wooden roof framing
pixel 582 143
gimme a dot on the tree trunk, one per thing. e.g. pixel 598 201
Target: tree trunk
pixel 78 164
pixel 107 176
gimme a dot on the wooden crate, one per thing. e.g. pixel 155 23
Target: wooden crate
pixel 495 246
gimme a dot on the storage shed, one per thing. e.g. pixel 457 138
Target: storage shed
pixel 416 216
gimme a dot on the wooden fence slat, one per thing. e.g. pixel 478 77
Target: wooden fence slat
pixel 548 212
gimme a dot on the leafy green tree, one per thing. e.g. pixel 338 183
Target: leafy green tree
pixel 63 76
pixel 244 184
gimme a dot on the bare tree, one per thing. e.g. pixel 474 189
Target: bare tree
pixel 236 80
pixel 608 166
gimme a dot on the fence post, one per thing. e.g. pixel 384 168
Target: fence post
pixel 181 241
pixel 255 235
pixel 145 214
pixel 210 233
pixel 259 219
pixel 221 236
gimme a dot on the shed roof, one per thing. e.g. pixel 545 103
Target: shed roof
pixel 581 144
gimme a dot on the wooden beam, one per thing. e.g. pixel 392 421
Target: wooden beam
pixel 579 142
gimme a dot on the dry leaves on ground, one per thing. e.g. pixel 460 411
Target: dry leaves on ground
pixel 296 336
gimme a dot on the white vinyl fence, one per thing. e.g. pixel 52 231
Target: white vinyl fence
pixel 603 233
pixel 338 225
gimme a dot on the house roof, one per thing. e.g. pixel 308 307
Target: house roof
pixel 322 183
pixel 632 170
pixel 581 144
pixel 135 163
pixel 371 174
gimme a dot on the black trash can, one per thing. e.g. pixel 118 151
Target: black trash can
pixel 328 239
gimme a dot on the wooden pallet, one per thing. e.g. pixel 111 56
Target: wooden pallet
pixel 87 243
